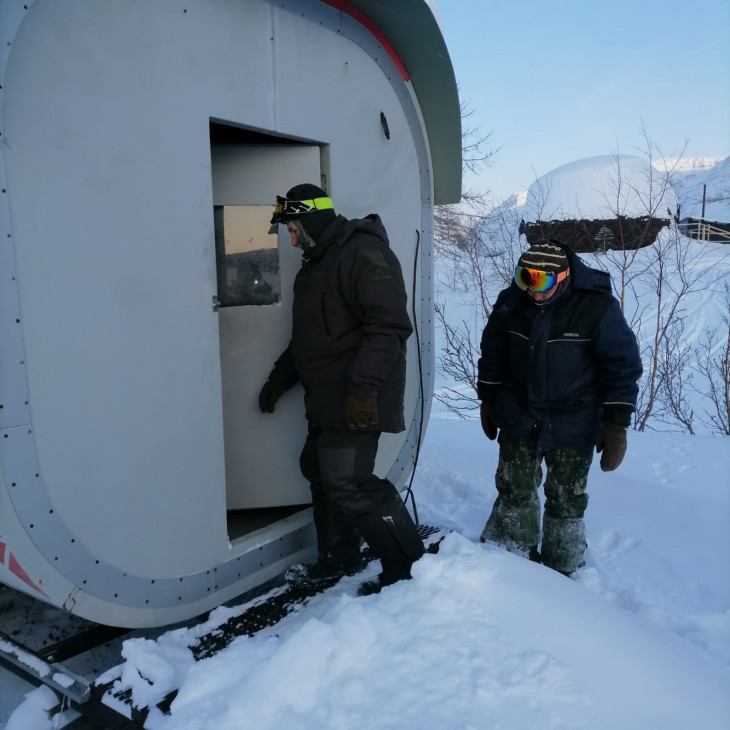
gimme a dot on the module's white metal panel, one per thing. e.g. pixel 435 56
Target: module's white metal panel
pixel 262 450
pixel 121 339
pixel 372 173
pixel 114 478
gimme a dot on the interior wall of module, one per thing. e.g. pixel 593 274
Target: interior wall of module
pixel 134 426
pixel 258 268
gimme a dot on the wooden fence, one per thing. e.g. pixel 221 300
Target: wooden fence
pixel 705 231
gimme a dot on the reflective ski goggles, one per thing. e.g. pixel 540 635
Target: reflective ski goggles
pixel 286 209
pixel 536 280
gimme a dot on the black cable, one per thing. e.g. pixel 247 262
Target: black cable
pixel 409 491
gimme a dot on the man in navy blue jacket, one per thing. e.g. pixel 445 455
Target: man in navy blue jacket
pixel 558 376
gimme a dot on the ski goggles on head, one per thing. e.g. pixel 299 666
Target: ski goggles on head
pixel 536 280
pixel 286 209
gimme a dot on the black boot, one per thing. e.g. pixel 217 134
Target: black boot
pixel 343 540
pixel 343 559
pixel 369 587
pixel 392 536
pixel 326 569
pixel 338 545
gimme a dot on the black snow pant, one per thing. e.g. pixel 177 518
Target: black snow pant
pixel 349 501
pixel 515 518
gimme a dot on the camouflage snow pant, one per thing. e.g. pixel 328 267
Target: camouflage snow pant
pixel 515 518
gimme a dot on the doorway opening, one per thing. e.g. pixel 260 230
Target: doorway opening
pixel 255 276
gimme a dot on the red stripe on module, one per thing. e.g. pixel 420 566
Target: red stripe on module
pixel 15 569
pixel 345 7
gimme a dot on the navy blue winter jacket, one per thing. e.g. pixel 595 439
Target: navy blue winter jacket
pixel 563 367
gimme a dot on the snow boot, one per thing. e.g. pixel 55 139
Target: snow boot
pixel 325 569
pixel 563 543
pixel 393 537
pixel 370 587
pixel 515 525
pixel 337 535
pixel 338 545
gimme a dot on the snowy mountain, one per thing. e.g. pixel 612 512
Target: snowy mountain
pixel 710 178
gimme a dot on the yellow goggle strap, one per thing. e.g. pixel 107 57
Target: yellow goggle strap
pixel 286 208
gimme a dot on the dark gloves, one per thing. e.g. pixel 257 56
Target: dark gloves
pixel 489 425
pixel 612 441
pixel 361 413
pixel 270 393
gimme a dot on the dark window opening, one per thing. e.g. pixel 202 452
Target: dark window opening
pixel 242 522
pixel 226 133
pixel 246 255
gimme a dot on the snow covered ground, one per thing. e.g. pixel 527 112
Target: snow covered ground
pixel 483 639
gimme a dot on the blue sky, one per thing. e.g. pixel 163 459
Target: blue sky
pixel 559 81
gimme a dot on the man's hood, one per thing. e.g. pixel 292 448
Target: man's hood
pixel 583 276
pixel 339 232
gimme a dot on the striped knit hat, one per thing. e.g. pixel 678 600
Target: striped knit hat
pixel 544 257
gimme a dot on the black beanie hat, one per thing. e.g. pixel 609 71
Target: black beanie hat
pixel 316 222
pixel 544 257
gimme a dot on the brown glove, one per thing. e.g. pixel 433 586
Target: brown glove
pixel 270 393
pixel 361 413
pixel 612 441
pixel 489 425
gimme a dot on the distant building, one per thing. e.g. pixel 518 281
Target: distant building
pixel 600 203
